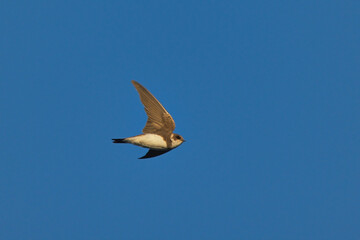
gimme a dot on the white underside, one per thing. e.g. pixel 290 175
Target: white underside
pixel 148 140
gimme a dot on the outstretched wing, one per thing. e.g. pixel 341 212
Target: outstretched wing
pixel 153 153
pixel 159 120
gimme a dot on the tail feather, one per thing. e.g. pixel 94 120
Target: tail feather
pixel 119 140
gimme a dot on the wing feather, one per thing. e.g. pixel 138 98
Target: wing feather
pixel 159 120
pixel 153 153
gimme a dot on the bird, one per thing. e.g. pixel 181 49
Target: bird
pixel 157 134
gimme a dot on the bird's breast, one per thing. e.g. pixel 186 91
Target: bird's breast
pixel 148 140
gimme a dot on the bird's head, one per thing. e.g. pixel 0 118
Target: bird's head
pixel 177 139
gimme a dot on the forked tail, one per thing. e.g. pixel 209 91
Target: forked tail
pixel 119 140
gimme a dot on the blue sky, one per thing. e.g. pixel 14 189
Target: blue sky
pixel 266 93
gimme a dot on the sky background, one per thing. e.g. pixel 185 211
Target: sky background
pixel 266 93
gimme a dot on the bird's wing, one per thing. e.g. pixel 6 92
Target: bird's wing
pixel 153 153
pixel 159 120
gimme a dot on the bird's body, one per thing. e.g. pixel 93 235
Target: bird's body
pixel 148 140
pixel 158 133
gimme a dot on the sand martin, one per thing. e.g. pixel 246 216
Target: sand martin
pixel 158 133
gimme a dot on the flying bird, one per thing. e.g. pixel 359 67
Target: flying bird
pixel 158 133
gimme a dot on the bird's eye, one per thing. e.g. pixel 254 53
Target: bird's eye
pixel 178 137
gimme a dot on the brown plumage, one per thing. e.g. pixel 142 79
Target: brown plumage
pixel 159 120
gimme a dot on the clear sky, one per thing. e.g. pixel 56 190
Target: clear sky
pixel 266 93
